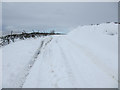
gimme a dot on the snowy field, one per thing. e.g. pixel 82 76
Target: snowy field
pixel 85 58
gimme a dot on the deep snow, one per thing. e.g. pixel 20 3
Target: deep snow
pixel 85 58
pixel 0 68
pixel 16 58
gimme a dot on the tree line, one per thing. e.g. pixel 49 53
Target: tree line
pixel 24 35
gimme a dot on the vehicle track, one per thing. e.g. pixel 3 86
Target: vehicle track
pixel 33 60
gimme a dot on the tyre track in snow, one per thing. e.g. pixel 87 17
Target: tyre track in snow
pixel 27 69
pixel 53 68
pixel 68 70
pixel 53 78
pixel 73 72
pixel 55 82
pixel 68 67
pixel 94 59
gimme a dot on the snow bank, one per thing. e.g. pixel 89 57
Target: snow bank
pixel 16 57
pixel 104 28
pixel 101 44
pixel 0 68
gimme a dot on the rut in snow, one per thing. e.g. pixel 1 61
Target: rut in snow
pixel 31 63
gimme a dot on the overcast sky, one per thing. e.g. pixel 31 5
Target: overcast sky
pixel 59 16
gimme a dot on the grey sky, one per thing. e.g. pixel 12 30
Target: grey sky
pixel 58 16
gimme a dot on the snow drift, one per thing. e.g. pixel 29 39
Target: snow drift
pixel 85 58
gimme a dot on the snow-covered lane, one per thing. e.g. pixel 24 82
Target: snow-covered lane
pixel 64 63
pixel 49 70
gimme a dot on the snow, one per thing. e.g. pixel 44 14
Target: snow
pixel 0 68
pixel 16 57
pixel 85 58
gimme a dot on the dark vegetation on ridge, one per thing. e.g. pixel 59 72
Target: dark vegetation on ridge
pixel 24 35
pixel 7 39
